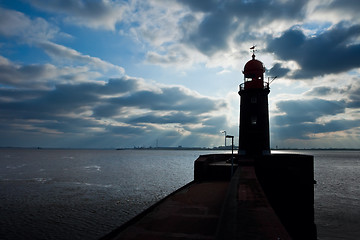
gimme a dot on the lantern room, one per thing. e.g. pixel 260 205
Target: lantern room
pixel 254 74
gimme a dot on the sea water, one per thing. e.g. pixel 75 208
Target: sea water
pixel 84 194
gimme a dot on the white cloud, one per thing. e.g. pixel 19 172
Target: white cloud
pixel 40 33
pixel 224 71
pixel 155 22
pixel 16 24
pixel 102 14
pixel 42 76
pixel 333 11
pixel 63 53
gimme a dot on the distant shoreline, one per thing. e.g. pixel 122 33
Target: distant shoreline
pixel 180 148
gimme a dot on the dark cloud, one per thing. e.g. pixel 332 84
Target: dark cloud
pixel 64 98
pixel 353 93
pixel 213 32
pixel 306 131
pixel 320 91
pixel 126 130
pixel 348 6
pixel 224 17
pixel 256 10
pixel 329 52
pixel 88 8
pixel 106 110
pixel 277 71
pixel 13 94
pixel 325 91
pixel 91 13
pixel 168 99
pixel 299 119
pixel 95 110
pixel 173 117
pixel 212 125
pixel 300 111
pixel 201 5
pixel 262 12
pixel 33 76
pixel 46 76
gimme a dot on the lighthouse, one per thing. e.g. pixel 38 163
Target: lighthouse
pixel 254 138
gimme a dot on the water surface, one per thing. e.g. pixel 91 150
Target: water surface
pixel 84 194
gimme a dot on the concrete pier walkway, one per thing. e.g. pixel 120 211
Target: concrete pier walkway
pixel 192 213
pixel 236 209
pixel 247 213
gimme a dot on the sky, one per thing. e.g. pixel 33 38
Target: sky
pixel 118 74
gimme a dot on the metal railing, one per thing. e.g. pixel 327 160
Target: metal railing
pixel 242 86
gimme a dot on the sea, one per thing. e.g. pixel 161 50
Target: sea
pixel 85 194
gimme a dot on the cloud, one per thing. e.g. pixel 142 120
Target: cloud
pixel 214 125
pixel 46 76
pixel 308 131
pixel 299 111
pixel 201 5
pixel 303 119
pixel 353 92
pixel 338 10
pixel 118 109
pixel 225 20
pixel 172 57
pixel 167 99
pixel 333 51
pixel 171 117
pixel 67 54
pixel 277 71
pixel 38 76
pixel 320 91
pixel 38 32
pixel 34 76
pixel 16 24
pixel 212 33
pixel 326 91
pixel 90 13
pixel 218 29
pixel 348 5
pixel 75 100
pixel 84 98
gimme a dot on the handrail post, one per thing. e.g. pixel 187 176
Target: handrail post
pixel 232 153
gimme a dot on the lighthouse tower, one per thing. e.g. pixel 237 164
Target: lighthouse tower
pixel 254 136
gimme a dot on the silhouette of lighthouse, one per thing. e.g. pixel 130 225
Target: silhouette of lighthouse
pixel 254 136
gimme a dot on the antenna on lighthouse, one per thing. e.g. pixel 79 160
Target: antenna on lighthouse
pixel 273 78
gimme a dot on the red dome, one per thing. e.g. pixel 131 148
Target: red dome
pixel 254 66
pixel 253 74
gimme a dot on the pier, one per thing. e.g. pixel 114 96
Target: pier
pixel 218 206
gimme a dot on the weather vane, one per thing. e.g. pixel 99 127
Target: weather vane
pixel 253 49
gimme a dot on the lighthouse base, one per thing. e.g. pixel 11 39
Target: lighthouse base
pixel 287 181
